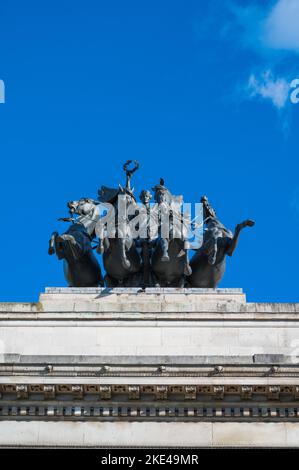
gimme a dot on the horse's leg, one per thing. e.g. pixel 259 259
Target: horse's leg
pixel 124 260
pixel 70 245
pixel 110 282
pixel 213 253
pixel 154 281
pixel 210 245
pixel 180 282
pixel 187 267
pixel 103 246
pixel 100 248
pixel 146 263
pixel 164 246
pixel 234 241
pixel 51 249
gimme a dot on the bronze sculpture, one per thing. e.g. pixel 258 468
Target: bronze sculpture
pixel 142 245
pixel 81 267
pixel 120 255
pixel 169 262
pixel 208 263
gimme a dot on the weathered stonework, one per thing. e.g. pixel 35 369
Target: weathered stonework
pixel 160 367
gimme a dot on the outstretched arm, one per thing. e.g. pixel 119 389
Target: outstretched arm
pixel 129 171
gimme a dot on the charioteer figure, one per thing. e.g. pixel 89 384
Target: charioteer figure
pixel 163 214
pixel 170 261
pixel 146 243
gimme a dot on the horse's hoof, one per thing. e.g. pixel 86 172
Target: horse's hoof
pixel 100 249
pixel 126 264
pixel 181 253
pixel 187 270
pixel 250 223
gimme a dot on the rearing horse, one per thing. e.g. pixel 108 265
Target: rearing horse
pixel 121 259
pixel 81 268
pixel 209 262
pixel 169 260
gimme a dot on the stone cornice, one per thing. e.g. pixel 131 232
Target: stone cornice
pixel 149 412
pixel 170 392
pixel 274 367
pixel 149 402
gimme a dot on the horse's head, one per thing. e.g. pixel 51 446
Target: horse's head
pixel 81 207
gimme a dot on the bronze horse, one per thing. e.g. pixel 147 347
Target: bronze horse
pixel 122 261
pixel 169 260
pixel 209 262
pixel 81 268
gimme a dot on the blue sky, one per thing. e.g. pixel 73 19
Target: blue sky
pixel 197 91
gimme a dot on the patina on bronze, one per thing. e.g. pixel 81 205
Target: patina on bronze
pixel 153 259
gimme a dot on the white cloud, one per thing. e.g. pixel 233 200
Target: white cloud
pixel 270 29
pixel 273 26
pixel 247 23
pixel 266 86
pixel 281 26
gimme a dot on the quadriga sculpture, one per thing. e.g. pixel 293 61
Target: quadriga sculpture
pixel 142 254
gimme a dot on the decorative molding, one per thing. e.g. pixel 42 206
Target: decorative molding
pixel 149 412
pixel 148 366
pixel 122 392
